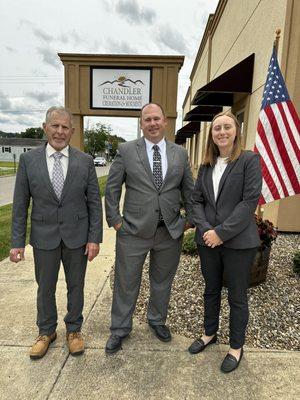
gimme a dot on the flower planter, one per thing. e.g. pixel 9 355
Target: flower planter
pixel 259 268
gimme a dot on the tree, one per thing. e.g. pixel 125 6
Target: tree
pixel 114 140
pixel 9 134
pixel 95 138
pixel 35 133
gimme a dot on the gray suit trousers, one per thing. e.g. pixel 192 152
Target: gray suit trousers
pixel 131 252
pixel 47 264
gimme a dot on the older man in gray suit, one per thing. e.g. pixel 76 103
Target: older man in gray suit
pixel 157 177
pixel 66 225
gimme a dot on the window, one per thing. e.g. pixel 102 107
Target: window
pixel 6 149
pixel 26 149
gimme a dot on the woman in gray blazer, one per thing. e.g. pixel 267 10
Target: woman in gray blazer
pixel 225 197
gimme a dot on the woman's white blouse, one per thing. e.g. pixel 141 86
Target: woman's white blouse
pixel 218 171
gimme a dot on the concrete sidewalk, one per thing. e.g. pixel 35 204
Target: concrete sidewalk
pixel 144 369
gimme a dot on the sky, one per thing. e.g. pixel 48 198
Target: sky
pixel 34 31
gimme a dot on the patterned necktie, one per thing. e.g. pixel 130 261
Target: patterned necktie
pixel 57 174
pixel 157 168
pixel 157 173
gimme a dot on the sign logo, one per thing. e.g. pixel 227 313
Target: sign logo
pixel 120 89
pixel 121 81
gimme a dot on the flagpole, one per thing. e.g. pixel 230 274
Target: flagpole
pixel 260 210
pixel 276 41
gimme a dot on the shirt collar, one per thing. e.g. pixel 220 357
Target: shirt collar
pixel 161 145
pixel 50 150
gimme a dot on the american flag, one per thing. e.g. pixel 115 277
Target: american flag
pixel 278 139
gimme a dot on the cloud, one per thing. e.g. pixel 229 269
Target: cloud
pixel 5 103
pixel 120 47
pixel 42 97
pixel 26 120
pixel 42 35
pixel 10 49
pixel 64 38
pixel 26 22
pixel 172 39
pixel 49 56
pixel 76 37
pixel 4 119
pixel 107 5
pixel 71 37
pixel 134 13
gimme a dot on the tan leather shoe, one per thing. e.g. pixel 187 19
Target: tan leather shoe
pixel 75 343
pixel 41 345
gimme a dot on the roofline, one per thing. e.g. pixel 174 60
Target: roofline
pixel 210 28
pixel 118 59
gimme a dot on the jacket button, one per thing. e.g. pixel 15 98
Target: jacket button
pixel 59 206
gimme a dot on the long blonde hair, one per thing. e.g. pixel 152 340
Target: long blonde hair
pixel 212 150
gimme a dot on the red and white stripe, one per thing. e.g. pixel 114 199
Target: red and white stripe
pixel 278 143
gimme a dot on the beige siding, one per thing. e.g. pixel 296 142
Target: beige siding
pixel 200 76
pixel 239 29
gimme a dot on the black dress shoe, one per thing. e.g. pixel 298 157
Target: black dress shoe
pixel 198 345
pixel 230 363
pixel 113 344
pixel 162 332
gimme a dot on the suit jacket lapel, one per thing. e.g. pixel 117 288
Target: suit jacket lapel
pixel 209 185
pixel 71 173
pixel 43 169
pixel 224 176
pixel 142 152
pixel 170 151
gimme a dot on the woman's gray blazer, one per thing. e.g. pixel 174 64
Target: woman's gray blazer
pixel 231 215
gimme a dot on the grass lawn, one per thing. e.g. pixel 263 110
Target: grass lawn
pixel 7 168
pixel 5 229
pixel 9 164
pixel 5 222
pixel 5 172
pixel 102 183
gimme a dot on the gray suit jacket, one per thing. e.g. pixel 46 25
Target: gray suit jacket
pixel 142 199
pixel 232 214
pixel 76 218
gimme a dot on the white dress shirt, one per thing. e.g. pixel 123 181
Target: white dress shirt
pixel 218 171
pixel 163 152
pixel 50 160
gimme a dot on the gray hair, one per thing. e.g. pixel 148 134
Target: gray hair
pixel 59 110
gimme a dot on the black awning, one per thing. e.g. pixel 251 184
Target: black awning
pixel 180 140
pixel 202 113
pixel 219 92
pixel 189 129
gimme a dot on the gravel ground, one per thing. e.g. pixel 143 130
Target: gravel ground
pixel 274 305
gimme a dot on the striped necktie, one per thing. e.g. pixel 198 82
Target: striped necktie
pixel 157 173
pixel 157 167
pixel 57 174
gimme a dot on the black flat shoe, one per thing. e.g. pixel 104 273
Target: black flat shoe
pixel 113 344
pixel 198 345
pixel 162 332
pixel 230 363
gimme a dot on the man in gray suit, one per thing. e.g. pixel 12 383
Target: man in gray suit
pixel 66 225
pixel 157 177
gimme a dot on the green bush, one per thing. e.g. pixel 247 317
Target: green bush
pixel 189 245
pixel 296 262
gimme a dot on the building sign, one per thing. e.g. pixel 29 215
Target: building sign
pixel 124 88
